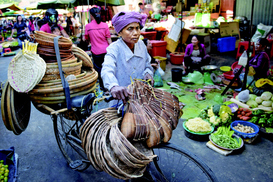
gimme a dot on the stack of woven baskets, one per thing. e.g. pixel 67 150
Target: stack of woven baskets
pixel 74 61
pixel 122 146
pixel 108 150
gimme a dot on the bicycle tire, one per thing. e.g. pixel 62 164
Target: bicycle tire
pixel 69 144
pixel 173 163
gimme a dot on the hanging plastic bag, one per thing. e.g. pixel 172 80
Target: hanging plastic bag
pixel 160 70
pixel 243 59
pixel 157 79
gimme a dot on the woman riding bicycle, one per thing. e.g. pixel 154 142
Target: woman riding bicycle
pixel 127 58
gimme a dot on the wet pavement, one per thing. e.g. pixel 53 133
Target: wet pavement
pixel 40 159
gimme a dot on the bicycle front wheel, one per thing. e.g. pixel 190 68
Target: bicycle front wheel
pixel 173 163
pixel 67 136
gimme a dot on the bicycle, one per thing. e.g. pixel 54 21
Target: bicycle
pixel 173 163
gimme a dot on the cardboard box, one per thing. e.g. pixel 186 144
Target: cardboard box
pixel 172 45
pixel 230 29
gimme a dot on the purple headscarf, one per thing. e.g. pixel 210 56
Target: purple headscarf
pixel 122 19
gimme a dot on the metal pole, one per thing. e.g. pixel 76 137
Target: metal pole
pixel 181 25
pixel 248 50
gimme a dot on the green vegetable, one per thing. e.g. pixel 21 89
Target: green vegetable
pixel 257 112
pixel 267 103
pixel 203 114
pixel 269 130
pixel 252 97
pixel 223 137
pixel 252 104
pixel 254 119
pixel 216 109
pixel 210 112
pixel 262 122
pixel 270 122
pixel 258 100
pixel 266 96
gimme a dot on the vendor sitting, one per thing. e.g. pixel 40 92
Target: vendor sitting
pixel 260 62
pixel 195 56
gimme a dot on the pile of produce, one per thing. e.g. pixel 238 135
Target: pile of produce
pixel 244 114
pixel 198 125
pixel 262 118
pixel 244 129
pixel 223 137
pixel 264 102
pixel 4 172
pixel 218 114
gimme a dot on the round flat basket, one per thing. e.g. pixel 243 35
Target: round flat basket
pixel 15 130
pixel 4 106
pixel 20 109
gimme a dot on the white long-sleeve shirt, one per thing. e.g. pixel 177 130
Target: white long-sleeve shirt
pixel 121 64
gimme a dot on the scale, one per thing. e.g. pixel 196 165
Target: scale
pixel 208 69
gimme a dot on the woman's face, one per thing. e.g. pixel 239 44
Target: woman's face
pixel 130 34
pixel 149 45
pixel 194 40
pixel 20 18
pixel 258 46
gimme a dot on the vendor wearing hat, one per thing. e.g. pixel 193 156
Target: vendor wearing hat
pixel 127 58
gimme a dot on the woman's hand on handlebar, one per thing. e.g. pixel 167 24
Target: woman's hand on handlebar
pixel 120 93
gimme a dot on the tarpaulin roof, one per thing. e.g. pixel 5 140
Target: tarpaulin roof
pixel 9 6
pixel 57 4
pixel 97 2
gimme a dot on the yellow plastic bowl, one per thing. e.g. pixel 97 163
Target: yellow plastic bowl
pixel 225 68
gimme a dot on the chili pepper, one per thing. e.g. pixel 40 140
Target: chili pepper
pixel 258 112
pixel 254 119
pixel 262 122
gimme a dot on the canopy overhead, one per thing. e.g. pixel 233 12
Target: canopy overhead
pixel 97 2
pixel 57 4
pixel 4 7
pixel 32 6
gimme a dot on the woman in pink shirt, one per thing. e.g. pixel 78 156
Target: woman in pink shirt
pixel 98 34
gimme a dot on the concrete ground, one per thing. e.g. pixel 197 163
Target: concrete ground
pixel 40 159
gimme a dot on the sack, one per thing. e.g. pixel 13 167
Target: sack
pixel 261 32
pixel 243 59
pixel 157 79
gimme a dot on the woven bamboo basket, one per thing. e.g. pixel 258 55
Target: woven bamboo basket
pixel 53 69
pixel 79 53
pixel 61 99
pixel 108 150
pixel 50 60
pixel 57 76
pixel 47 39
pixel 89 78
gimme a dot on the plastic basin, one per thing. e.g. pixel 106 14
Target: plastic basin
pixel 245 123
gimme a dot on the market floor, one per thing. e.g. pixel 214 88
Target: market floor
pixel 41 160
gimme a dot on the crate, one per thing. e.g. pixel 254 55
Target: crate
pixel 159 48
pixel 163 61
pixel 226 44
pixel 149 35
